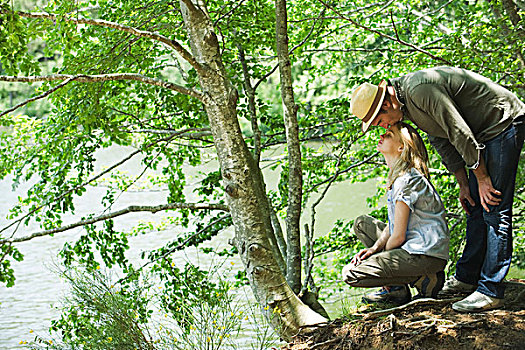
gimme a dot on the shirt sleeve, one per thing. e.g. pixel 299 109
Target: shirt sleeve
pixel 408 189
pixel 434 101
pixel 449 155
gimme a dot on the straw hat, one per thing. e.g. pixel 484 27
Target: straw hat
pixel 366 102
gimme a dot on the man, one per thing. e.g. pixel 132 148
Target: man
pixel 473 123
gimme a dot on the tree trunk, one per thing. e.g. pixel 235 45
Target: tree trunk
pixel 243 184
pixel 295 176
pixel 512 11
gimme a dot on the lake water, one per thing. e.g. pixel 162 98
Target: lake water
pixel 28 308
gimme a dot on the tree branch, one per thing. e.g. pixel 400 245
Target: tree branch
pixel 130 209
pixel 134 31
pixel 295 176
pixel 45 94
pixel 309 231
pixel 122 161
pixel 250 92
pixel 310 32
pixel 100 78
pixel 178 247
pixel 339 172
pixel 239 4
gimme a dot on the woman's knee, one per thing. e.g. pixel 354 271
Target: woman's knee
pixel 349 276
pixel 359 223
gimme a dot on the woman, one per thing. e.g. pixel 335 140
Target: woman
pixel 413 247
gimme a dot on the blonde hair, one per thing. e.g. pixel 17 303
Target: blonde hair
pixel 414 154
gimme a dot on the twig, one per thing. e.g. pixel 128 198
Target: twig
pixel 309 33
pixel 332 178
pixel 421 331
pixel 319 345
pixel 47 93
pixel 239 4
pixel 179 246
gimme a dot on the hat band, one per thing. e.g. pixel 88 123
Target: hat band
pixel 373 107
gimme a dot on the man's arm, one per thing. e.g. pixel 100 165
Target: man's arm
pixel 461 143
pixel 434 101
pixel 464 190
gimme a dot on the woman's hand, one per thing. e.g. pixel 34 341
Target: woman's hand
pixel 362 255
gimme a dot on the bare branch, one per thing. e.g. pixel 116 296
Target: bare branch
pixel 339 172
pixel 309 233
pixel 202 132
pixel 290 52
pixel 105 77
pixel 402 42
pixel 265 76
pixel 239 4
pixel 134 31
pixel 334 17
pixel 130 209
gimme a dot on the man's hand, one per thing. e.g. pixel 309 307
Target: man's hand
pixel 362 255
pixel 464 190
pixel 487 193
pixel 464 197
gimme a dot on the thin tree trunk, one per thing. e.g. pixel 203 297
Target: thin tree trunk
pixel 242 182
pixel 512 11
pixel 295 178
pixel 276 232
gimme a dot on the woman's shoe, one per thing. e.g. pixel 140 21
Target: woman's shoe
pixel 397 295
pixel 428 286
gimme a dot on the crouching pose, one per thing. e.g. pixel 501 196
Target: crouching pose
pixel 413 247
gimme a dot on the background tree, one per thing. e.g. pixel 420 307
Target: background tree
pixel 171 79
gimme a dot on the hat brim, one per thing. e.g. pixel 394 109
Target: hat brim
pixel 376 105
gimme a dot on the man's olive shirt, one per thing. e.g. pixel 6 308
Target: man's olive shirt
pixel 458 109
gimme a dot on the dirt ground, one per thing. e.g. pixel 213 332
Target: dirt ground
pixel 424 324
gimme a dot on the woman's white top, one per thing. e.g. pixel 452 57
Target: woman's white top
pixel 427 230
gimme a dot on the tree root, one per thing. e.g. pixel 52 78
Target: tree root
pixel 418 302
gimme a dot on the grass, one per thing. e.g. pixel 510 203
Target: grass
pixel 515 272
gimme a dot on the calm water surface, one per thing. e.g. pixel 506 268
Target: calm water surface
pixel 32 303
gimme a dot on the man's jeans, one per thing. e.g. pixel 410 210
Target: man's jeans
pixel 487 254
